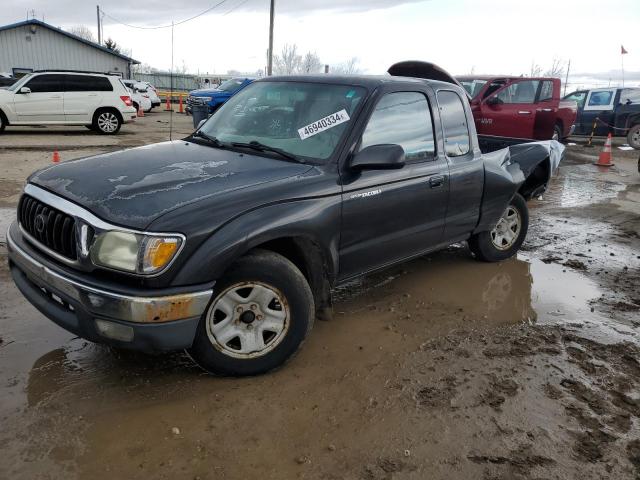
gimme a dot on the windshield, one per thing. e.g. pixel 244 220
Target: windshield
pixel 307 120
pixel 19 83
pixel 231 85
pixel 473 86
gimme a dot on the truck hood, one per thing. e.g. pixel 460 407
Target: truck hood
pixel 134 187
pixel 208 92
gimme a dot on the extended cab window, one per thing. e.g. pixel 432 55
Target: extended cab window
pixel 45 83
pixel 454 124
pixel 519 92
pixel 404 119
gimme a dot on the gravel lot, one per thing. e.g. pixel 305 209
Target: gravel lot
pixel 441 368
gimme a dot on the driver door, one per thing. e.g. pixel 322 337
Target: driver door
pixel 511 111
pixel 44 103
pixel 389 215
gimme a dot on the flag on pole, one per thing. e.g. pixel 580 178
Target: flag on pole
pixel 622 50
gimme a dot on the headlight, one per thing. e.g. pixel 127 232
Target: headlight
pixel 132 252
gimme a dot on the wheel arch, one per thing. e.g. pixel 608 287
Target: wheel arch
pixel 537 180
pixel 103 109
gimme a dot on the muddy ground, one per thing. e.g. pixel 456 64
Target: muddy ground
pixel 441 368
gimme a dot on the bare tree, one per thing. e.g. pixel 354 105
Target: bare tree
pixel 288 62
pixel 181 69
pixel 311 63
pixel 83 32
pixel 556 70
pixel 143 68
pixel 112 45
pixel 350 67
pixel 536 70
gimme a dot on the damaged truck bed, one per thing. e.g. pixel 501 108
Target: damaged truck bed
pixel 228 242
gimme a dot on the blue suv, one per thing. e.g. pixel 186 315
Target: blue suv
pixel 214 97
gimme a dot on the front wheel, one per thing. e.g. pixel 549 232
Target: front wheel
pixel 507 236
pixel 262 310
pixel 633 137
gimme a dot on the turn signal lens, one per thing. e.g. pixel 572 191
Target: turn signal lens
pixel 158 253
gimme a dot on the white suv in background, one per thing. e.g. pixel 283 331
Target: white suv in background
pixel 153 93
pixel 100 102
pixel 139 95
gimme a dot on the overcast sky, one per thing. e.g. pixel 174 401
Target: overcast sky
pixel 488 36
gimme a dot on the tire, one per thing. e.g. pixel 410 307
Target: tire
pixel 261 287
pixel 107 122
pixel 633 137
pixel 3 122
pixel 137 107
pixel 90 127
pixel 495 245
pixel 557 133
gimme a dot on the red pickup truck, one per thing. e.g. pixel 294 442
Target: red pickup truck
pixel 519 107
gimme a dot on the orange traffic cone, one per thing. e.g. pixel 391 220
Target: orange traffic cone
pixel 140 111
pixel 168 106
pixel 181 109
pixel 605 156
pixel 56 157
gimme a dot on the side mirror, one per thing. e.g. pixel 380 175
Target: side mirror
pixel 379 157
pixel 25 90
pixel 494 101
pixel 200 123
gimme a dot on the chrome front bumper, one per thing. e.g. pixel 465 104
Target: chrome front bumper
pixel 109 304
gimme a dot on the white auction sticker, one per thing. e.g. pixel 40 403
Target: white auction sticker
pixel 323 124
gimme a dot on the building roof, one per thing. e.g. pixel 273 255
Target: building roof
pixel 33 21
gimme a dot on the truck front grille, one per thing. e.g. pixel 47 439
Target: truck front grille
pixel 49 226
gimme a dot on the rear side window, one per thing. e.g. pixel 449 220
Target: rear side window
pixel 454 124
pixel 630 95
pixel 45 83
pixel 404 119
pixel 546 91
pixel 87 83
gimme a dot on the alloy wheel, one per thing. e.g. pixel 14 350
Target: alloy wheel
pixel 507 230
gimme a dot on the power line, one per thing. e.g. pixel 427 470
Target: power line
pixel 235 8
pixel 171 25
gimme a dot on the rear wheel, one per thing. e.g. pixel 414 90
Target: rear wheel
pixel 507 236
pixel 107 122
pixel 261 313
pixel 557 133
pixel 633 137
pixel 3 122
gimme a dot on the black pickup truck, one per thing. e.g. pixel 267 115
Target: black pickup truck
pixel 228 243
pixel 604 111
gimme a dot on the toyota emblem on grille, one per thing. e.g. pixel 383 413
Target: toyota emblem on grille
pixel 39 223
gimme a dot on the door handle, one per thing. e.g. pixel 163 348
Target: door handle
pixel 436 181
pixel 93 94
pixel 546 110
pixel 524 112
pixel 55 96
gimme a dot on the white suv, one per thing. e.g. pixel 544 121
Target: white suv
pixel 100 102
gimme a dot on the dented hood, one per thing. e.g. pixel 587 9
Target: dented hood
pixel 136 186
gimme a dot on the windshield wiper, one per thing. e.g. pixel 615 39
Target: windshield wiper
pixel 261 147
pixel 213 140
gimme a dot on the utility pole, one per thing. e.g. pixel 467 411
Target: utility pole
pixel 566 81
pixel 99 27
pixel 270 59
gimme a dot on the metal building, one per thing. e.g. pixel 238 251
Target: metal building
pixel 35 45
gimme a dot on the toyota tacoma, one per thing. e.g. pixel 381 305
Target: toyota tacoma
pixel 228 243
